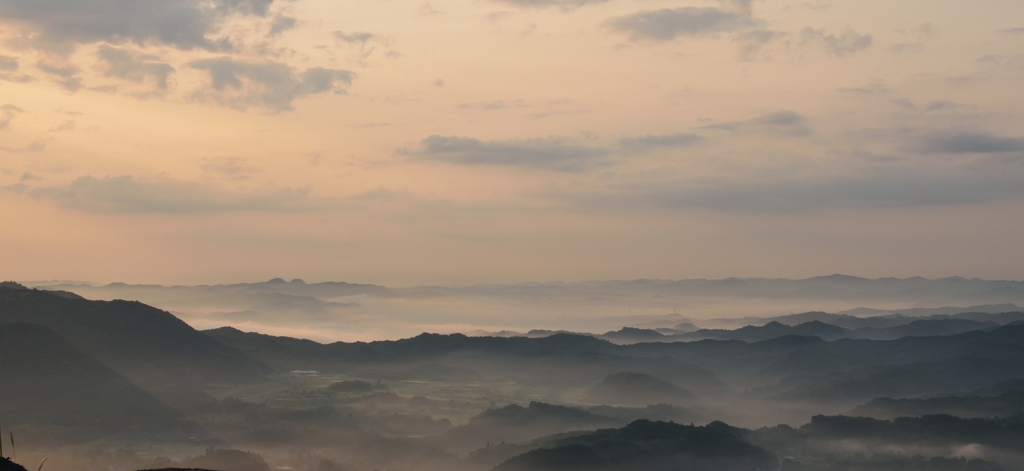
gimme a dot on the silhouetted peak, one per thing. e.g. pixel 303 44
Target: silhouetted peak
pixel 839 277
pixel 12 285
pixel 276 281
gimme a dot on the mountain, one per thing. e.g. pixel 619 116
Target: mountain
pixel 514 423
pixel 651 446
pixel 825 329
pixel 923 328
pixel 1006 432
pixel 150 347
pixel 934 311
pixel 1003 405
pixel 854 369
pixel 771 330
pixel 54 391
pixel 552 360
pixel 637 389
pixel 633 335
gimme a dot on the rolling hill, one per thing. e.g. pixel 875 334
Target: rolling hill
pixel 54 391
pixel 150 347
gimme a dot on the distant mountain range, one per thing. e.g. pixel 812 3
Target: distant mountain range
pixel 280 306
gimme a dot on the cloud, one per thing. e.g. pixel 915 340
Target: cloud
pixel 354 38
pixel 184 24
pixel 8 64
pixel 281 24
pixel 667 24
pixel 891 187
pixel 556 153
pixel 133 67
pixel 127 194
pixel 740 6
pixel 1013 31
pixel 271 84
pixel 38 145
pixel 561 4
pixel 65 126
pixel 365 43
pixel 970 143
pixel 907 48
pixel 491 105
pixel 1005 62
pixel 233 168
pixel 67 76
pixel 7 113
pixel 849 42
pixel 426 9
pixel 752 41
pixel 784 123
pixel 641 144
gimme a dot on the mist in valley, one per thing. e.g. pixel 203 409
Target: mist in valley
pixel 128 385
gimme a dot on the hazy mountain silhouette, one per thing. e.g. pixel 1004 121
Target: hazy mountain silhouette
pixel 549 360
pixel 514 424
pixel 633 335
pixel 968 406
pixel 827 331
pixel 53 391
pixel 637 389
pixel 152 348
pixel 652 446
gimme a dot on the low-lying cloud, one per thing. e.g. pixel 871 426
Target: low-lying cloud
pixel 127 194
pixel 971 143
pixel 881 188
pixel 640 144
pixel 561 4
pixel 669 23
pixel 555 153
pixel 780 123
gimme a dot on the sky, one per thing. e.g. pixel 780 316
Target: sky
pixel 482 141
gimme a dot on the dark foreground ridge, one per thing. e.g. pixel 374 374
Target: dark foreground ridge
pixel 152 348
pixel 7 465
pixel 64 394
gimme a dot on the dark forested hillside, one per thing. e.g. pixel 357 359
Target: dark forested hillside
pixel 53 391
pixel 150 347
pixel 653 446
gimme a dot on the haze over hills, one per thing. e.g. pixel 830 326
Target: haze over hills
pixel 53 392
pixel 473 403
pixel 344 311
pixel 511 235
pixel 154 349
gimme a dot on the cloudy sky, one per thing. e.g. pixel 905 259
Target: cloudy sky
pixel 462 141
